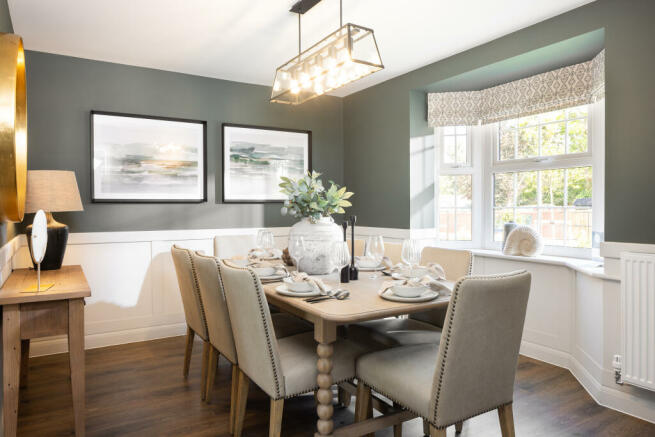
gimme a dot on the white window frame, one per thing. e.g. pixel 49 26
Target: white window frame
pixel 473 168
pixel 495 165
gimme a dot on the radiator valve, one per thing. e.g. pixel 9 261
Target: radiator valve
pixel 616 364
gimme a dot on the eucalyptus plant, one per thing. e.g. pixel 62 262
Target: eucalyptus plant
pixel 307 197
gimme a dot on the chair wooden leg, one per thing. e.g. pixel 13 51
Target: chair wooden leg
pixel 233 396
pixel 398 428
pixel 506 418
pixel 187 351
pixel 275 420
pixel 363 404
pixel 458 427
pixel 242 398
pixel 344 397
pixel 426 428
pixel 203 375
pixel 212 368
pixel 434 432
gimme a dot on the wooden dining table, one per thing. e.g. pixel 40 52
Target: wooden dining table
pixel 364 303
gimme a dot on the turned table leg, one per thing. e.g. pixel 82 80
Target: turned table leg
pixel 325 334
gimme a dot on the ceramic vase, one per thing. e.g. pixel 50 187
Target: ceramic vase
pixel 318 239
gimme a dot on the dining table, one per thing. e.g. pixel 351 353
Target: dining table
pixel 364 303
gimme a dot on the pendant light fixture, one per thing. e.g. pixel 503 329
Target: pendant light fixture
pixel 343 56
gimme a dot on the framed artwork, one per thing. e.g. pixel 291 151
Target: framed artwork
pixel 255 157
pixel 144 159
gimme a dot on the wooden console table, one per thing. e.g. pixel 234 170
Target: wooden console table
pixel 57 311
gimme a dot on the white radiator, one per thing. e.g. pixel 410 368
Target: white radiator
pixel 638 319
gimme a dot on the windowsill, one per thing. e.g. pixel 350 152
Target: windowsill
pixel 588 267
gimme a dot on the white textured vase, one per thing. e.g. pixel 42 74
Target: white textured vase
pixel 318 239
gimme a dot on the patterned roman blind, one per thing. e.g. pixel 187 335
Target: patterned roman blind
pixel 562 88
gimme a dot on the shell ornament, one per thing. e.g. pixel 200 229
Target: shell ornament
pixel 523 241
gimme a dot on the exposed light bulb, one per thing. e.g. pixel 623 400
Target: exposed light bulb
pixel 318 88
pixel 293 86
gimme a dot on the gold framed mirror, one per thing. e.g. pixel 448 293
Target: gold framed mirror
pixel 13 128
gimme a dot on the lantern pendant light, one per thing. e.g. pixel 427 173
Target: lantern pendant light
pixel 345 55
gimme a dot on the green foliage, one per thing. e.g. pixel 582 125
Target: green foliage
pixel 307 197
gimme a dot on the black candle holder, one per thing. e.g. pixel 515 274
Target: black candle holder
pixel 354 271
pixel 345 271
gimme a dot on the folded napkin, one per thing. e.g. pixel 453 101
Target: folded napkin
pixel 435 271
pixel 425 281
pixel 304 277
pixel 263 254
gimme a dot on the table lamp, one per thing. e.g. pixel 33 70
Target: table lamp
pixel 52 191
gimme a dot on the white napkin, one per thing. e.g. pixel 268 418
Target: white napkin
pixel 263 254
pixel 425 281
pixel 435 271
pixel 304 277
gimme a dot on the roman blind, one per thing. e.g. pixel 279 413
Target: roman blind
pixel 565 87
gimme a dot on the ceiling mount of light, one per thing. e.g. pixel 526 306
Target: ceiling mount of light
pixel 345 55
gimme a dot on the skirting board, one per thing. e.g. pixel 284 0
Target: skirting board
pixel 605 396
pixel 58 345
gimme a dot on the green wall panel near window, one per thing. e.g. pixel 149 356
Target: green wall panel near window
pixel 379 121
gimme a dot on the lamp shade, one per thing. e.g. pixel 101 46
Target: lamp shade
pixel 52 191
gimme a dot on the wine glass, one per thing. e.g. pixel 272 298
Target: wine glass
pixel 260 234
pixel 410 253
pixel 375 251
pixel 297 249
pixel 340 256
pixel 267 241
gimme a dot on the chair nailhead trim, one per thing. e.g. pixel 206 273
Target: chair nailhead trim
pixel 196 292
pixel 453 303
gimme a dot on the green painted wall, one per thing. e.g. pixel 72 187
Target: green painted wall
pixel 62 90
pixel 379 121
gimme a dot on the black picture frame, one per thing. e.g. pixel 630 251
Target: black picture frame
pixel 203 123
pixel 248 126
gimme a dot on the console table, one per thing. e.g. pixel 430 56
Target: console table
pixel 56 311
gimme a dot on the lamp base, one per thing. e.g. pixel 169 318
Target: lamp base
pixel 56 248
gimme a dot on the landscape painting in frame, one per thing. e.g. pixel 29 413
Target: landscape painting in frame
pixel 255 158
pixel 143 159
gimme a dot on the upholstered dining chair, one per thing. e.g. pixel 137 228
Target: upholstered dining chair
pixel 208 271
pixel 228 246
pixel 281 367
pixel 470 372
pixel 193 309
pixel 420 327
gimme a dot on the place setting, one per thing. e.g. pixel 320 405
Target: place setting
pixel 412 282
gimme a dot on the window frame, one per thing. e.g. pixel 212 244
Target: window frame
pixel 472 168
pixel 537 163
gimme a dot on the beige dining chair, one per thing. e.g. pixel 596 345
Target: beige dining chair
pixel 422 327
pixel 208 271
pixel 281 367
pixel 228 246
pixel 470 372
pixel 193 310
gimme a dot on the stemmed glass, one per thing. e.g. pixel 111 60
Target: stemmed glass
pixel 267 241
pixel 260 235
pixel 410 253
pixel 297 250
pixel 340 256
pixel 375 250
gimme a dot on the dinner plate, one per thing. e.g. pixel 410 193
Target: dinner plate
pixel 283 290
pixel 427 296
pixel 371 269
pixel 273 278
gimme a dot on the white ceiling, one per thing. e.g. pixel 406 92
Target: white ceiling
pixel 245 40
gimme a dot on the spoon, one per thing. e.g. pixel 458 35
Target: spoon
pixel 339 295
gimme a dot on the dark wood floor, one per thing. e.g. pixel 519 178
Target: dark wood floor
pixel 138 390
